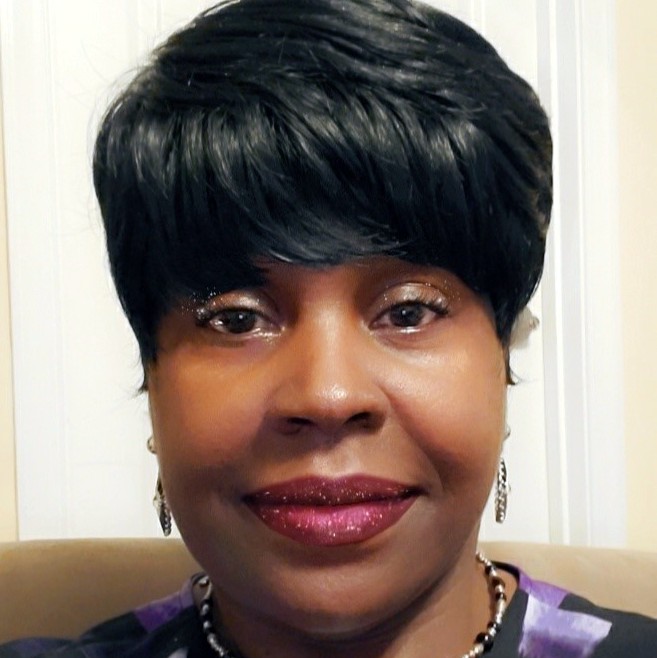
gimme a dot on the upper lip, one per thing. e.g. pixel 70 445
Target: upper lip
pixel 318 491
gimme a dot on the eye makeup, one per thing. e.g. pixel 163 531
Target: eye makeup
pixel 424 293
pixel 237 315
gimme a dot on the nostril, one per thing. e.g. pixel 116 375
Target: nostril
pixel 329 422
pixel 295 424
pixel 298 421
pixel 362 418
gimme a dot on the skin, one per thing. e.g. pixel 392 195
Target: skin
pixel 377 367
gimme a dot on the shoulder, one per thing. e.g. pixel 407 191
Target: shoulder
pixel 161 629
pixel 559 623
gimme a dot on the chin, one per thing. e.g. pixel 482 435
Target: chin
pixel 347 604
pixel 329 622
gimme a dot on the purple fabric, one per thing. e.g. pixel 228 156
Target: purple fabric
pixel 549 594
pixel 157 613
pixel 548 631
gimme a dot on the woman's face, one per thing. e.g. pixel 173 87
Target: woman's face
pixel 327 441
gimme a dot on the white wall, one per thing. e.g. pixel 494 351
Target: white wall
pixel 8 520
pixel 637 63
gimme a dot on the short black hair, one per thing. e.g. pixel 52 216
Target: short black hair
pixel 316 132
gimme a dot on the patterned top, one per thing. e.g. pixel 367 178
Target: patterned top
pixel 542 621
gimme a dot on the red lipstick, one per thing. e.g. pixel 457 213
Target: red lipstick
pixel 332 512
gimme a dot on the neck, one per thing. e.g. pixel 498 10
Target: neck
pixel 440 622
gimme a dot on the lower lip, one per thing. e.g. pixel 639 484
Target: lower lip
pixel 333 525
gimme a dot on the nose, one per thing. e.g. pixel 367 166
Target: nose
pixel 327 384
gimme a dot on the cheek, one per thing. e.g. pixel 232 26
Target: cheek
pixel 200 418
pixel 455 409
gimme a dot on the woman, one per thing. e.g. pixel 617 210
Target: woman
pixel 323 218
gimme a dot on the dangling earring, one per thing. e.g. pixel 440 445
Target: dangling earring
pixel 501 492
pixel 162 507
pixel 159 499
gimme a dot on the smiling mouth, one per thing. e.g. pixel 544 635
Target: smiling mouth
pixel 332 512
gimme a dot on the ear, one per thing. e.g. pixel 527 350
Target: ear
pixel 510 381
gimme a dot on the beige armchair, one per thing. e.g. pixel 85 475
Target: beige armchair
pixel 61 588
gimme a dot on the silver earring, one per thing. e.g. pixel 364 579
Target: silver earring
pixel 159 499
pixel 502 490
pixel 162 508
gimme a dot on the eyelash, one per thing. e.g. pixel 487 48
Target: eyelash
pixel 205 315
pixel 433 303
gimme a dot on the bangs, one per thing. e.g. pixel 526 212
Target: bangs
pixel 218 190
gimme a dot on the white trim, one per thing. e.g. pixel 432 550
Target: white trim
pixel 582 347
pixel 601 255
pixel 478 15
pixel 32 220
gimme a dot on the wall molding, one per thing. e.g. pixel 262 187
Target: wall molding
pixel 32 220
pixel 581 291
pixel 8 513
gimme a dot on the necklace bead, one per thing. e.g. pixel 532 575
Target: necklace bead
pixel 483 642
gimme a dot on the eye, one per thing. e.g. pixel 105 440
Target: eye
pixel 237 316
pixel 234 321
pixel 410 314
pixel 414 310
